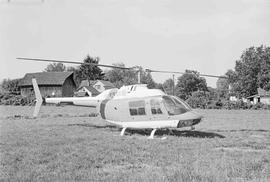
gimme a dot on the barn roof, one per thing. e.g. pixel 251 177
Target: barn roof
pixel 45 78
pixel 105 83
pixel 92 90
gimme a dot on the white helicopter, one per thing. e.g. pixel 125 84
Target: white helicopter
pixel 133 106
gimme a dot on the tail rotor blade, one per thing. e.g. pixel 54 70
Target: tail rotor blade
pixel 38 98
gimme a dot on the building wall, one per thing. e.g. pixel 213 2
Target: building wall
pixel 46 91
pixel 99 86
pixel 83 90
pixel 69 87
pixel 265 100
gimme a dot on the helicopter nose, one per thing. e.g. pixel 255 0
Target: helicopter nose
pixel 193 118
pixel 197 118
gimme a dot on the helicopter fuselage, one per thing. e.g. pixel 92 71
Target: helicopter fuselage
pixel 156 111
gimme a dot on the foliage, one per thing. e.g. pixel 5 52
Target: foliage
pixel 168 86
pixel 120 77
pixel 55 67
pixel 146 78
pixel 222 88
pixel 11 99
pixel 198 99
pixel 190 82
pixel 10 86
pixel 88 71
pixel 213 94
pixel 222 84
pixel 252 70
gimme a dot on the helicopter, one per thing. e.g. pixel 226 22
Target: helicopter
pixel 133 106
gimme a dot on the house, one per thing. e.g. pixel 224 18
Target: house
pixel 263 96
pixel 84 91
pixel 99 85
pixel 51 84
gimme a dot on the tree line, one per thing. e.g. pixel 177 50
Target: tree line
pixel 251 71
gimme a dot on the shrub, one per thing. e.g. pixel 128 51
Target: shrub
pixel 198 99
pixel 11 99
pixel 257 106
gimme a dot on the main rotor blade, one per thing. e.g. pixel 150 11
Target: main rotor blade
pixel 72 62
pixel 176 72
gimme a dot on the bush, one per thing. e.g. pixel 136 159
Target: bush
pixel 215 105
pixel 198 99
pixel 10 86
pixel 11 99
pixel 258 106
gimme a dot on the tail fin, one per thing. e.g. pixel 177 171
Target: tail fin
pixel 38 98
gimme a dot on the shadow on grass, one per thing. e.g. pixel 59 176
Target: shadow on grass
pixel 159 132
pixel 259 130
pixel 96 126
pixel 178 133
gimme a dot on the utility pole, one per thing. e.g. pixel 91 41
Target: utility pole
pixel 139 76
pixel 173 84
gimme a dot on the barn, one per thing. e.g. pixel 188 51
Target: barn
pixel 51 84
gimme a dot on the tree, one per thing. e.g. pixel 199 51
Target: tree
pixel 146 78
pixel 55 67
pixel 11 86
pixel 252 70
pixel 168 86
pixel 89 72
pixel 198 99
pixel 222 87
pixel 222 84
pixel 190 82
pixel 120 77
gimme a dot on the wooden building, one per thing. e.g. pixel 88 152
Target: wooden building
pixel 51 84
pixel 86 91
pixel 99 85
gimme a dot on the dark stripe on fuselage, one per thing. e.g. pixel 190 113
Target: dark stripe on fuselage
pixel 102 108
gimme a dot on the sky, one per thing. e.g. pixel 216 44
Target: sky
pixel 173 35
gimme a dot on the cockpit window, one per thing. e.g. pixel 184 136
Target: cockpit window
pixel 181 102
pixel 174 106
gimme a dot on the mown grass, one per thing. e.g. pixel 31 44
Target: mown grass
pixel 66 145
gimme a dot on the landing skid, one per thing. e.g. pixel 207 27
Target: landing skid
pixel 150 137
pixel 152 134
pixel 123 131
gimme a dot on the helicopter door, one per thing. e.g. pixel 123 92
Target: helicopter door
pixel 155 107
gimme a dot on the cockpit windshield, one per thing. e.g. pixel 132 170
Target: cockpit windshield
pixel 175 106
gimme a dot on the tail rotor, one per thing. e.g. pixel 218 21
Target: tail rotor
pixel 38 98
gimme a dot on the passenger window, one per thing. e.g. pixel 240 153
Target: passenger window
pixel 137 108
pixel 155 106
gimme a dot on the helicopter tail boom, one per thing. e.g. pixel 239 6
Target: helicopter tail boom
pixel 93 102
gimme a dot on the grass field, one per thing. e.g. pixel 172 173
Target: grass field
pixel 65 144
